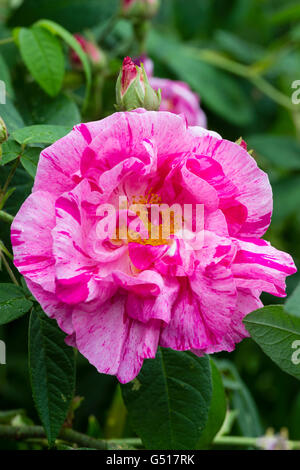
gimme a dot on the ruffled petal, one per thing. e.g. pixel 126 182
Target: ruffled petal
pixel 258 265
pixel 254 190
pixel 114 343
pixel 32 241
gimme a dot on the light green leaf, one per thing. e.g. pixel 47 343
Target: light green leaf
pixel 73 43
pixel 217 410
pixel 40 134
pixel 43 56
pixel 281 151
pixel 278 334
pixel 13 303
pixel 168 403
pixel 52 372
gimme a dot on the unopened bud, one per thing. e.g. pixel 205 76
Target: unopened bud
pixel 96 56
pixel 133 89
pixel 139 8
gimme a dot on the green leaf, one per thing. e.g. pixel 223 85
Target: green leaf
pixel 40 134
pixel 248 419
pixel 5 77
pixel 240 49
pixel 43 56
pixel 286 14
pixel 52 372
pixel 217 410
pixel 286 197
pixel 73 43
pixel 169 401
pixel 30 159
pixel 12 118
pixel 10 151
pixel 75 15
pixel 292 304
pixel 277 333
pixel 13 303
pixel 281 151
pixel 218 90
pixel 61 111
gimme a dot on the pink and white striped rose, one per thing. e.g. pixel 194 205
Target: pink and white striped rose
pixel 118 300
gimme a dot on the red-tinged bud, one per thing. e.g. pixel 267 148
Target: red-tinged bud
pixel 139 8
pixel 133 89
pixel 93 52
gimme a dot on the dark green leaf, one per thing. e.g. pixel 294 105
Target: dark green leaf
pixel 43 56
pixel 40 134
pixel 5 77
pixel 11 116
pixel 286 197
pixel 61 111
pixel 10 151
pixel 219 91
pixel 169 401
pixel 13 303
pixel 248 419
pixel 281 151
pixel 30 159
pixel 217 410
pixel 52 372
pixel 75 15
pixel 292 305
pixel 278 334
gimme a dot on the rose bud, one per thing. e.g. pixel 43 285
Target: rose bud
pixel 133 89
pixel 93 52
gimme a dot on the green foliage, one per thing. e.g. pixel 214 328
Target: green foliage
pixel 52 372
pixel 71 41
pixel 248 421
pixel 280 151
pixel 162 395
pixel 42 54
pixel 40 134
pixel 217 409
pixel 278 334
pixel 242 58
pixel 13 303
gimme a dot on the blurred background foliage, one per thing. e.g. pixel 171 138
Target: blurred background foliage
pixel 241 57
